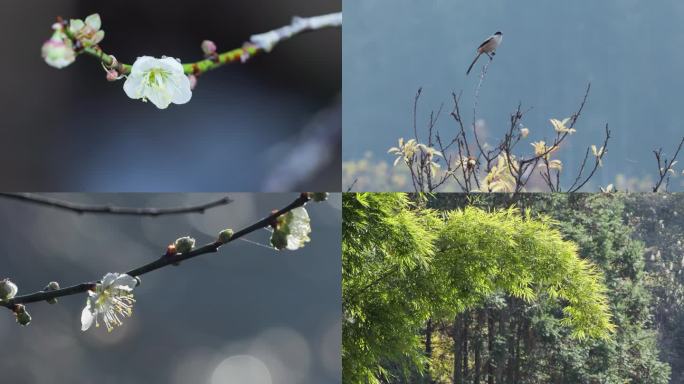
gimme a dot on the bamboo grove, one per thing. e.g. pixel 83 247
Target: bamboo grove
pixel 501 288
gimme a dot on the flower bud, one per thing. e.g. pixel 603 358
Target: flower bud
pixel 208 47
pixel 7 289
pixel 52 286
pixel 58 52
pixel 524 132
pixel 318 196
pixel 112 75
pixel 184 244
pixel 23 317
pixel 225 235
pixel 193 81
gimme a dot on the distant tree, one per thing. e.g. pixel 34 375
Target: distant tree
pixel 528 343
pixel 658 221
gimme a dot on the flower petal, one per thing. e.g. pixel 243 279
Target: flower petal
pixel 133 86
pixel 86 318
pixel 75 25
pixel 126 280
pixel 182 93
pixel 172 64
pixel 93 21
pixel 98 37
pixel 159 97
pixel 108 279
pixel 143 63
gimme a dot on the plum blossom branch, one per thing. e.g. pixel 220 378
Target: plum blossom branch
pixel 258 43
pixel 164 80
pixel 112 209
pixel 290 222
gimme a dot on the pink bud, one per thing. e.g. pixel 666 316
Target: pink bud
pixel 208 47
pixel 112 75
pixel 193 81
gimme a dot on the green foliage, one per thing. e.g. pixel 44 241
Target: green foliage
pixel 597 224
pixel 387 248
pixel 658 221
pixel 404 264
pixel 484 252
pixel 604 232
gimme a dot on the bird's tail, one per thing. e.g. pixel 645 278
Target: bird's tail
pixel 471 65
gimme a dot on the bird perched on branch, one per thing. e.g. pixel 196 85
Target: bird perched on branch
pixel 488 47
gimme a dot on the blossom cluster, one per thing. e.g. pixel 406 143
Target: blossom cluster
pixel 161 81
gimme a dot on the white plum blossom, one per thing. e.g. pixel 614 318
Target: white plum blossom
pixel 87 32
pixel 162 81
pixel 58 52
pixel 109 301
pixel 292 231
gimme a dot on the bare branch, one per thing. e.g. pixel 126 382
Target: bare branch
pixel 162 261
pixel 351 186
pixel 415 113
pixel 111 209
pixel 665 166
pixel 597 164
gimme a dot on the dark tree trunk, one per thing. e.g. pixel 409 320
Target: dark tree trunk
pixel 458 356
pixel 478 345
pixel 518 345
pixel 465 338
pixel 501 356
pixel 491 333
pixel 511 340
pixel 428 350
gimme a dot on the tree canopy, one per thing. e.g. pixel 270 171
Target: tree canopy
pixel 404 264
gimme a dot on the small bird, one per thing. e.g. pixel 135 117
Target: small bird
pixel 488 47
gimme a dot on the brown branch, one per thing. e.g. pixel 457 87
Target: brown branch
pixel 162 261
pixel 111 209
pixel 415 113
pixel 597 164
pixel 664 166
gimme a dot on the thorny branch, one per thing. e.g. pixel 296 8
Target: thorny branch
pixel 111 209
pixel 163 261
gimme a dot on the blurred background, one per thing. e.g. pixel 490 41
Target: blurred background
pixel 628 50
pixel 247 314
pixel 272 124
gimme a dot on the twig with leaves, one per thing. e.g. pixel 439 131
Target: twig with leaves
pixel 111 298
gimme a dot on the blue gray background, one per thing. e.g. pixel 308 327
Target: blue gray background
pixel 282 309
pixel 629 50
